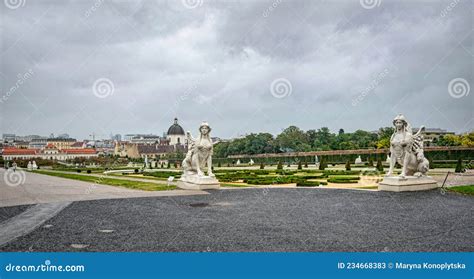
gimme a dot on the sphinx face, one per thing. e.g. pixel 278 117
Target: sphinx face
pixel 205 130
pixel 399 124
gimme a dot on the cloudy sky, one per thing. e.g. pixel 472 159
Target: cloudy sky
pixel 103 66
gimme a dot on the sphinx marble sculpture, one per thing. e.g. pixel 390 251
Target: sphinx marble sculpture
pixel 199 158
pixel 406 149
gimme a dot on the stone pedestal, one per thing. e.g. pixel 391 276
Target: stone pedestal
pixel 408 183
pixel 194 182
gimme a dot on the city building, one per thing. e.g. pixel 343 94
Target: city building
pixel 116 137
pixel 176 134
pixel 38 143
pixel 151 146
pixel 432 135
pixel 145 139
pixel 50 152
pixel 61 143
pixel 8 137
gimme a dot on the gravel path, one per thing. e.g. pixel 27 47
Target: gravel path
pixel 262 220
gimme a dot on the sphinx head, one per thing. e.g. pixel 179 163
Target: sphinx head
pixel 205 129
pixel 400 122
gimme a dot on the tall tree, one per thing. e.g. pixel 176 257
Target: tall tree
pixel 293 139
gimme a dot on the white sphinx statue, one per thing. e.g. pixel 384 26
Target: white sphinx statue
pixel 406 149
pixel 198 158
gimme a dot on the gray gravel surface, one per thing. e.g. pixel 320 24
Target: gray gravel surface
pixel 11 211
pixel 262 220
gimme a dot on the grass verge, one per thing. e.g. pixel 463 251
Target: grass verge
pixel 234 185
pixel 139 185
pixel 467 190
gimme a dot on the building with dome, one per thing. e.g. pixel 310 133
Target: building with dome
pixel 152 146
pixel 176 134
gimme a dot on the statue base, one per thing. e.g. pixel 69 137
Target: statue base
pixel 195 182
pixel 408 183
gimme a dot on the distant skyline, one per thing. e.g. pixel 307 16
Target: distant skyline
pixel 246 67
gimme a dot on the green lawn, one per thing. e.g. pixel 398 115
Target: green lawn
pixel 139 176
pixel 468 190
pixel 147 186
pixel 234 185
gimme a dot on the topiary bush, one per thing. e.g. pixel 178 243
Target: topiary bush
pixel 379 166
pixel 459 166
pixel 306 183
pixel 279 166
pixel 339 180
pixel 322 164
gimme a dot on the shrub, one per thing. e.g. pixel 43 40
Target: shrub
pixel 344 177
pixel 371 163
pixel 300 167
pixel 339 180
pixel 262 166
pixel 459 166
pixel 311 176
pixel 136 170
pixel 431 162
pixel 306 164
pixel 219 165
pixel 89 171
pixel 379 166
pixel 279 166
pixel 308 183
pixel 326 173
pixel 348 165
pixel 322 164
pixel 78 171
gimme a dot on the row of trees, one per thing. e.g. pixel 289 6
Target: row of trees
pixel 293 139
pixel 456 140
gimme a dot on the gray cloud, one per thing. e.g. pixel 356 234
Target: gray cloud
pixel 349 67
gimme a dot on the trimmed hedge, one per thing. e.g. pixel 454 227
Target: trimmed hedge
pixel 305 183
pixel 339 180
